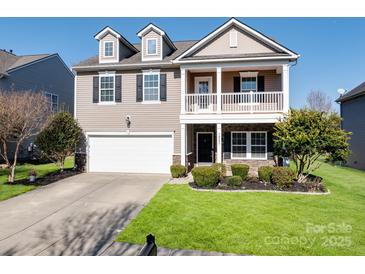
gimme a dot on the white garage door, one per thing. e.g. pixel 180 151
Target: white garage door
pixel 131 153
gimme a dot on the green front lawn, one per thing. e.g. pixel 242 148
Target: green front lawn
pixel 259 223
pixel 8 191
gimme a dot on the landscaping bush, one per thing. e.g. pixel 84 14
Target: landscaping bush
pixel 205 176
pixel 265 173
pixel 240 170
pixel 177 171
pixel 282 176
pixel 234 181
pixel 221 168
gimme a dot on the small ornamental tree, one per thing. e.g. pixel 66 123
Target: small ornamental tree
pixel 22 116
pixel 58 139
pixel 306 135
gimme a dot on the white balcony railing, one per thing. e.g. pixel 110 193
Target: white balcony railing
pixel 197 103
pixel 248 102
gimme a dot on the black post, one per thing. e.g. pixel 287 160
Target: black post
pixel 150 248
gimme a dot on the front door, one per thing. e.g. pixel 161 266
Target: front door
pixel 205 147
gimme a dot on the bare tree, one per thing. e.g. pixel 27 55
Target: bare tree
pixel 319 101
pixel 22 115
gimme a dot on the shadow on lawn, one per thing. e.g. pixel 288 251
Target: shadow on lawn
pixel 80 234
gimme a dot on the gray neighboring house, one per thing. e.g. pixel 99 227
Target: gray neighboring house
pixel 41 72
pixel 352 109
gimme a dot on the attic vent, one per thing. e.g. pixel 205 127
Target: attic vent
pixel 233 38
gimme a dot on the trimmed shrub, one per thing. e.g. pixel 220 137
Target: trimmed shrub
pixel 221 168
pixel 177 171
pixel 282 176
pixel 265 173
pixel 205 176
pixel 234 181
pixel 240 170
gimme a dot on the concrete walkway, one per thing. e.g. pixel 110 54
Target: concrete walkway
pixel 80 215
pixel 126 249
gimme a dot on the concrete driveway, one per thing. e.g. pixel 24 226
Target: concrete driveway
pixel 80 215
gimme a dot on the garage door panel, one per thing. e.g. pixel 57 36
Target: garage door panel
pixel 140 154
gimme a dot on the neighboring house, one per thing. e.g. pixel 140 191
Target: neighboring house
pixel 45 73
pixel 352 105
pixel 146 106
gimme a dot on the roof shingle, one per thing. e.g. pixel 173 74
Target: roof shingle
pixel 10 61
pixel 356 92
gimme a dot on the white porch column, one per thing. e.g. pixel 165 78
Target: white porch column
pixel 183 144
pixel 183 89
pixel 285 86
pixel 219 90
pixel 219 143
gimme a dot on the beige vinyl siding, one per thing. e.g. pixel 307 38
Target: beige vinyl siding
pixel 272 80
pixel 221 45
pixel 107 38
pixel 163 117
pixel 152 35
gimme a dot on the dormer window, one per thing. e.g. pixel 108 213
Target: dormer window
pixel 151 46
pixel 108 49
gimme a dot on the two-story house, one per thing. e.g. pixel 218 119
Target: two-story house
pixel 352 109
pixel 148 105
pixel 46 73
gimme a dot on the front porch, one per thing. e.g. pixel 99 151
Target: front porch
pixel 228 143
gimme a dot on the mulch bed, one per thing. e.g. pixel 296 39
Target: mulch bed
pixel 48 179
pixel 312 184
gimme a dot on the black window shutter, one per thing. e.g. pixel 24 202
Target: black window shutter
pixel 261 83
pixel 96 89
pixel 139 88
pixel 118 88
pixel 227 145
pixel 163 91
pixel 237 84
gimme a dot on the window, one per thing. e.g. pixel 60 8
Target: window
pixel 107 88
pixel 248 145
pixel 248 84
pixel 239 145
pixel 151 46
pixel 151 87
pixel 233 38
pixel 258 145
pixel 108 49
pixel 53 101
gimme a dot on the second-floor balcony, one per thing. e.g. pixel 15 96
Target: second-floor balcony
pixel 241 89
pixel 233 102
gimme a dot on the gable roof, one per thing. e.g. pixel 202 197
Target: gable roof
pixel 107 29
pixel 9 61
pixel 352 94
pixel 160 31
pixel 287 53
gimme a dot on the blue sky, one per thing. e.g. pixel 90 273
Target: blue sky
pixel 332 49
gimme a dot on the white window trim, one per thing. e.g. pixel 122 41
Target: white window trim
pixel 58 99
pixel 233 38
pixel 106 75
pixel 203 78
pixel 151 72
pixel 151 54
pixel 197 145
pixel 248 74
pixel 248 146
pixel 111 56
